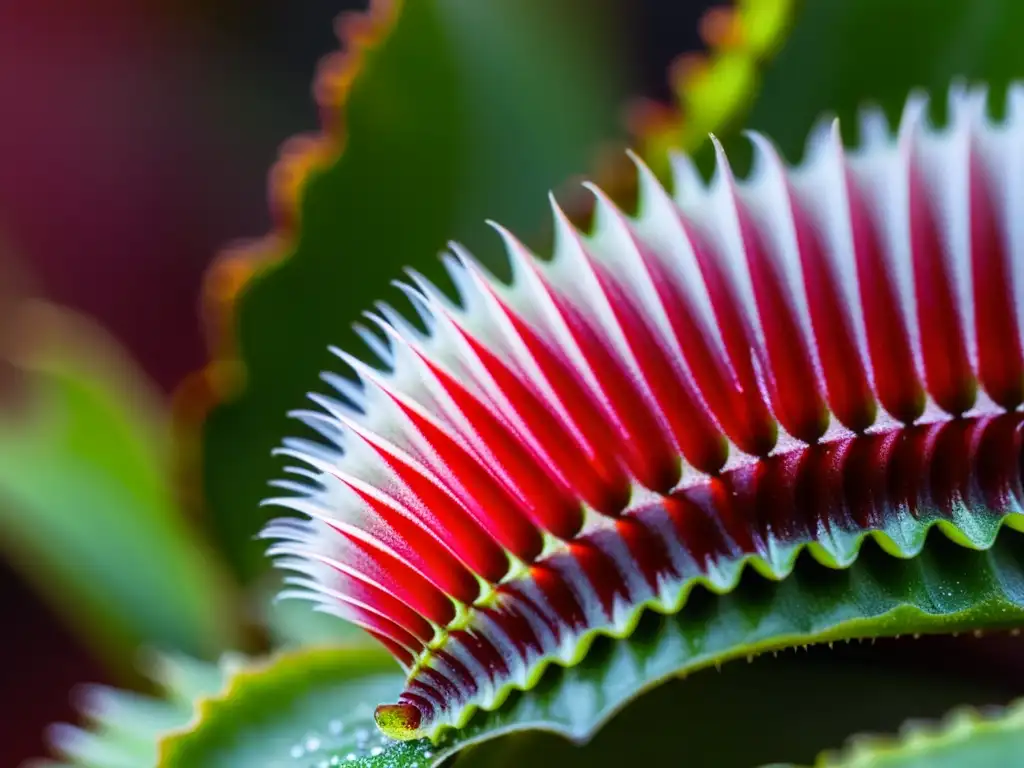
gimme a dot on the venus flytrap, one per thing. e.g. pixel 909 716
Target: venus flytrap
pixel 761 413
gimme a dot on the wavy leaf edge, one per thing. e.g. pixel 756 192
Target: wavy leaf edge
pixel 621 660
pixel 232 270
pixel 727 33
pixel 202 694
pixel 920 738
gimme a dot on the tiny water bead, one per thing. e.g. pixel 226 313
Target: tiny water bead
pixel 342 743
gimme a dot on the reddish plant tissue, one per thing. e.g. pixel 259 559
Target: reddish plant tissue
pixel 743 369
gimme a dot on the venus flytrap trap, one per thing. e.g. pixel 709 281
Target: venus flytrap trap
pixel 768 411
pixel 798 360
pixel 723 426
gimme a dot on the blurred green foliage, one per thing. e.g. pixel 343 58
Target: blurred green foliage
pixel 87 508
pixel 991 736
pixel 124 730
pixel 843 54
pixel 714 91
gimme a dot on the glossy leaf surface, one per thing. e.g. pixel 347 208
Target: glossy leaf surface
pixel 292 710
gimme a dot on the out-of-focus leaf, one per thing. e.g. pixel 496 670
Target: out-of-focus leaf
pixel 456 110
pixel 86 507
pixel 714 91
pixel 991 738
pixel 122 729
pixel 843 53
pixel 284 710
pixel 297 709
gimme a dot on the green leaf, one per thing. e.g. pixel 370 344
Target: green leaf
pixel 239 712
pixel 295 709
pixel 944 589
pixel 123 729
pixel 966 737
pixel 459 111
pixel 843 53
pixel 87 511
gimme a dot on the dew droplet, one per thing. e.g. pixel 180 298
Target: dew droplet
pixel 428 754
pixel 351 757
pixel 376 751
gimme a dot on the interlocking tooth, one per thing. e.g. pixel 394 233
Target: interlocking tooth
pixel 834 351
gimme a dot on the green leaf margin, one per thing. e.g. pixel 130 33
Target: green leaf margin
pixel 967 736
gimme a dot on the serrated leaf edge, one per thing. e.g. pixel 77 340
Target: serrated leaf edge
pixel 921 737
pixel 233 268
pixel 239 675
pixel 1014 521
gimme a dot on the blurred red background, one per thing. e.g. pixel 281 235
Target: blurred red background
pixel 135 141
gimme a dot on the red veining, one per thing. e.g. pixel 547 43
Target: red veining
pixel 734 375
pixel 928 472
pixel 1001 362
pixel 947 370
pixel 846 380
pixel 897 382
